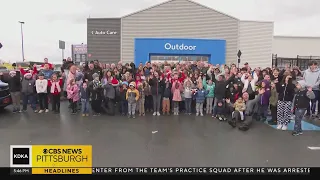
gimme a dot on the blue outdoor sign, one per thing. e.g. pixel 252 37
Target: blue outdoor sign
pixel 214 49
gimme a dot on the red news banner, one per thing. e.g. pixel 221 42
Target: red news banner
pixel 177 171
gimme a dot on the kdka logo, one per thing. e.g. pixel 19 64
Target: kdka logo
pixel 21 156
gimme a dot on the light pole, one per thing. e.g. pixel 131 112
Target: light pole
pixel 22 48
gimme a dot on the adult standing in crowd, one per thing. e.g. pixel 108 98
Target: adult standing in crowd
pixel 157 85
pixel 312 79
pixel 65 72
pixel 46 61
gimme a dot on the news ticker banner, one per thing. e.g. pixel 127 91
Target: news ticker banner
pixel 51 159
pixel 172 171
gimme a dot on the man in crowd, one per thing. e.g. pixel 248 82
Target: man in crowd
pixel 312 79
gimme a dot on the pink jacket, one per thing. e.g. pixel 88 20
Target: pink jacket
pixel 73 92
pixel 70 76
pixel 176 91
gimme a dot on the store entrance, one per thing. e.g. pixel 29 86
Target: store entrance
pixel 178 58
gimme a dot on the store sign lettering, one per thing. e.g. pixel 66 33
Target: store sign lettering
pixel 179 47
pixel 104 32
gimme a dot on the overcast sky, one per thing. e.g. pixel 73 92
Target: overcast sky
pixel 48 21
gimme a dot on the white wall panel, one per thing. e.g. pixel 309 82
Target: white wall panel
pixel 255 42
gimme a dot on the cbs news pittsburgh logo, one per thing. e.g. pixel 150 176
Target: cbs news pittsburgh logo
pixel 52 159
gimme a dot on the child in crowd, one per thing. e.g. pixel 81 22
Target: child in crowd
pixel 46 71
pixel 132 97
pixel 200 95
pixel 96 92
pixel 14 87
pixel 240 106
pixel 286 90
pixel 210 88
pixel 141 101
pixel 219 111
pixel 55 86
pixel 176 98
pixel 300 104
pixel 166 98
pixel 148 98
pixel 123 100
pixel 73 95
pixel 188 95
pixel 85 99
pixel 273 100
pixel 264 100
pixel 28 92
pixel 42 91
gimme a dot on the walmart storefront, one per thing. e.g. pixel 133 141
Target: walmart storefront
pixel 160 49
pixel 179 30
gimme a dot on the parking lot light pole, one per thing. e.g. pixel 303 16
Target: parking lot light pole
pixel 22 47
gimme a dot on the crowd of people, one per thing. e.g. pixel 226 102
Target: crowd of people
pixel 226 93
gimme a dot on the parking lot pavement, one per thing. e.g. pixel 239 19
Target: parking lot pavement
pixel 160 141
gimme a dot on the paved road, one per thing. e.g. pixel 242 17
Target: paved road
pixel 160 141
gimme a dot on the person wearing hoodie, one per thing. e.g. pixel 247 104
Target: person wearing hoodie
pixel 285 88
pixel 96 94
pixel 210 96
pixel 176 95
pixel 200 96
pixel 42 91
pixel 312 79
pixel 219 111
pixel 300 104
pixel 141 85
pixel 132 97
pixel 28 92
pixel 73 95
pixel 264 101
pixel 188 95
pixel 14 87
pixel 273 100
pixel 220 87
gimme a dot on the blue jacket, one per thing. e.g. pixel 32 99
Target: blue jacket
pixel 85 94
pixel 200 95
pixel 47 73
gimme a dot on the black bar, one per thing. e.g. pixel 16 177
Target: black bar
pixel 205 171
pixel 314 171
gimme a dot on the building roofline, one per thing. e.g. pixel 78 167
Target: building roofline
pixel 104 18
pixel 257 21
pixel 159 4
pixel 306 37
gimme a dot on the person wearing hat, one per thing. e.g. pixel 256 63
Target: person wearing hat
pixel 28 92
pixel 300 104
pixel 132 97
pixel 14 87
pixel 42 90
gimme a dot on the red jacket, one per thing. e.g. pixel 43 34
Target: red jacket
pixel 50 65
pixel 56 92
pixel 23 72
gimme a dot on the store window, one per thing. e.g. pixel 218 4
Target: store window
pixel 178 58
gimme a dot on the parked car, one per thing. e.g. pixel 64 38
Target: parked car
pixel 4 71
pixel 5 97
